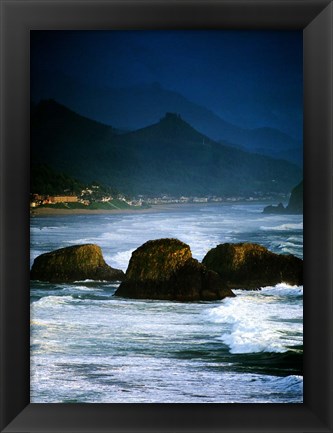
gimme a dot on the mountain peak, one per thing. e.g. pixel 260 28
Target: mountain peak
pixel 172 117
pixel 173 126
pixel 168 157
pixel 174 121
pixel 53 111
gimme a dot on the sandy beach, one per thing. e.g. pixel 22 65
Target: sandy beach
pixel 48 211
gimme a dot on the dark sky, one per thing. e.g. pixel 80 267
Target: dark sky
pixel 249 78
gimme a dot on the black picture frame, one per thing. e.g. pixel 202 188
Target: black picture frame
pixel 315 19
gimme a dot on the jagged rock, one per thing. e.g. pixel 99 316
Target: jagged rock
pixel 165 269
pixel 74 263
pixel 251 266
pixel 295 204
pixel 275 209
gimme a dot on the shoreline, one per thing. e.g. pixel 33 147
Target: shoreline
pixel 48 211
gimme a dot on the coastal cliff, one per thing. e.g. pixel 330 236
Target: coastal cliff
pixel 295 204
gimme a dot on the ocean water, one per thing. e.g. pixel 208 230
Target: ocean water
pixel 89 346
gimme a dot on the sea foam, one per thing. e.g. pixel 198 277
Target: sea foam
pixel 98 348
pixel 260 321
pixel 284 227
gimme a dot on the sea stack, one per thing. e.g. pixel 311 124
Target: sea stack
pixel 165 269
pixel 74 263
pixel 295 204
pixel 252 266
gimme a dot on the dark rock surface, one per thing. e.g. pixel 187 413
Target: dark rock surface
pixel 295 204
pixel 74 263
pixel 165 269
pixel 279 209
pixel 251 266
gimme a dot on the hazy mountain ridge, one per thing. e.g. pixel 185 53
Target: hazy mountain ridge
pixel 168 157
pixel 134 107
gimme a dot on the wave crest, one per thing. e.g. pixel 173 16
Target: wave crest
pixel 260 321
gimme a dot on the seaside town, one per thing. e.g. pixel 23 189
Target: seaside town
pixel 94 195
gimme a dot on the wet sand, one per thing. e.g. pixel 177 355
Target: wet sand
pixel 48 211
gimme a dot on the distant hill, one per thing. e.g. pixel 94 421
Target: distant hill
pixel 271 142
pixel 168 157
pixel 45 180
pixel 135 107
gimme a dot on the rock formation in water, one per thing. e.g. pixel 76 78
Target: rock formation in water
pixel 251 266
pixel 74 263
pixel 295 204
pixel 279 209
pixel 165 269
